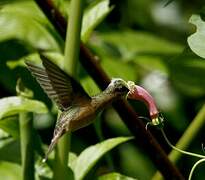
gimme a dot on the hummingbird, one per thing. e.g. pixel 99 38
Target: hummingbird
pixel 77 108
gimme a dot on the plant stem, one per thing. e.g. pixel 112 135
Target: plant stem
pixel 189 134
pixel 61 158
pixel 186 138
pixel 27 152
pixel 72 46
pixel 98 130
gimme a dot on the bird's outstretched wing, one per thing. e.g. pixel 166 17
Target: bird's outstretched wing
pixel 58 85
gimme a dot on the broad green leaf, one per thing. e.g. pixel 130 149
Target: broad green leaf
pixel 72 160
pixel 13 105
pixel 10 125
pixel 17 47
pixel 11 49
pixel 56 57
pixel 18 23
pixel 156 62
pixel 93 16
pixel 119 69
pixel 34 57
pixel 134 51
pixel 130 44
pixel 10 171
pixel 134 162
pixel 3 134
pixel 187 72
pixel 89 157
pixel 63 6
pixel 115 176
pixel 28 7
pixel 42 170
pixel 10 150
pixel 197 39
pixel 45 170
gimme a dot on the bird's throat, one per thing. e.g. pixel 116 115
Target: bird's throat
pixel 103 99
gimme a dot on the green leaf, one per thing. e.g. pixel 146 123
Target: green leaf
pixel 34 57
pixel 115 176
pixel 130 44
pixel 157 62
pixel 187 72
pixel 129 155
pixel 196 40
pixel 89 157
pixel 24 7
pixel 10 171
pixel 93 16
pixel 3 134
pixel 72 160
pixel 10 125
pixel 119 69
pixel 19 21
pixel 13 105
pixel 10 150
pixel 21 62
pixel 43 171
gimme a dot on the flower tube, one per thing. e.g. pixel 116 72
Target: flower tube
pixel 139 93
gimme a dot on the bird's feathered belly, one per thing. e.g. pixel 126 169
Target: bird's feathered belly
pixel 76 118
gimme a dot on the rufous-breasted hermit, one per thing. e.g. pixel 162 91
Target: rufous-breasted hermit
pixel 78 109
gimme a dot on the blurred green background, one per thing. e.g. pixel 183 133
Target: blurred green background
pixel 144 41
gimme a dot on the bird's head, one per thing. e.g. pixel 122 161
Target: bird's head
pixel 118 87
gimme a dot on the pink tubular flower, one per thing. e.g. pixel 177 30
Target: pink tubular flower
pixel 139 93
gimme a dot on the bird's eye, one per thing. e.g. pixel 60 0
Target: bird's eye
pixel 122 89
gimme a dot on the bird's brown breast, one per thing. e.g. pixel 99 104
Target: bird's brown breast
pixel 83 117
